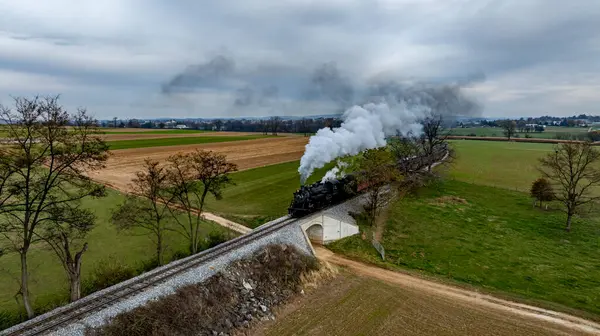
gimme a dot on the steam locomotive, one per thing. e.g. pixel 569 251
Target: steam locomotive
pixel 319 195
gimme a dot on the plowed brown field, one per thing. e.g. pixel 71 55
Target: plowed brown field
pixel 123 164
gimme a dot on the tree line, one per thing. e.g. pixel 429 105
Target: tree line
pixel 44 177
pixel 272 125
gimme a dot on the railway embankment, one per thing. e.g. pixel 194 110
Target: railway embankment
pixel 246 292
pixel 100 308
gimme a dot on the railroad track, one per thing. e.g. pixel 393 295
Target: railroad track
pixel 95 302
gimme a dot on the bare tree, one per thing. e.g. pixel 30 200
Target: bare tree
pixel 218 124
pixel 48 161
pixel 275 122
pixel 510 128
pixel 148 207
pixel 193 176
pixel 573 168
pixel 521 125
pixel 376 174
pixel 264 126
pixel 410 160
pixel 434 137
pixel 64 233
pixel 304 127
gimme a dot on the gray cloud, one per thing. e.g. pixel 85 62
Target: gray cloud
pixel 538 57
pixel 330 83
pixel 201 75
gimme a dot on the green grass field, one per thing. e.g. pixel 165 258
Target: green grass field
pixel 510 165
pixel 261 194
pixel 494 239
pixel 48 282
pixel 550 133
pixel 145 143
pixel 264 193
pixel 158 131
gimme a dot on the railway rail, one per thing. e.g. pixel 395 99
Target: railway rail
pixel 75 311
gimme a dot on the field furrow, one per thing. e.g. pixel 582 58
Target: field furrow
pixel 123 164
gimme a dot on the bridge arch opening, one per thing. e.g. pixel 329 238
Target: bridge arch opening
pixel 315 233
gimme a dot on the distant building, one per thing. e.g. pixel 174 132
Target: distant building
pixel 532 126
pixel 181 126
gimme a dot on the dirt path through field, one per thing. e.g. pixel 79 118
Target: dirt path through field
pixel 550 322
pixel 123 164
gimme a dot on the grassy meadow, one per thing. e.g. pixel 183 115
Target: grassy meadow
pixel 493 239
pixel 551 132
pixel 261 194
pixel 145 143
pixel 49 286
pixel 158 131
pixel 511 165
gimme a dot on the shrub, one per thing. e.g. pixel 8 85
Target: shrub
pixel 180 255
pixel 542 191
pixel 106 274
pixel 147 265
pixel 594 136
pixel 11 318
pixel 215 238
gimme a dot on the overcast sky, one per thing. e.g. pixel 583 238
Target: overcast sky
pixel 155 58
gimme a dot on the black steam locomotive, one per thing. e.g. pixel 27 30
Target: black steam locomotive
pixel 319 195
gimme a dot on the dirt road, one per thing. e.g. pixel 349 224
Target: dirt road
pixel 123 164
pixel 429 308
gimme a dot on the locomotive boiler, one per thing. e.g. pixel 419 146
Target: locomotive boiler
pixel 319 195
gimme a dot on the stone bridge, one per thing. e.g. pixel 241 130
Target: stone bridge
pixel 331 224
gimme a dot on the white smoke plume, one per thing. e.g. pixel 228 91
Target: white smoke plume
pixel 335 173
pixel 362 128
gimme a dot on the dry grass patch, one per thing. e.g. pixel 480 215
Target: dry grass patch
pixel 232 300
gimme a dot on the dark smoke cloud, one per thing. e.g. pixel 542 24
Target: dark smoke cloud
pixel 244 96
pixel 446 100
pixel 260 88
pixel 328 82
pixel 248 96
pixel 200 75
